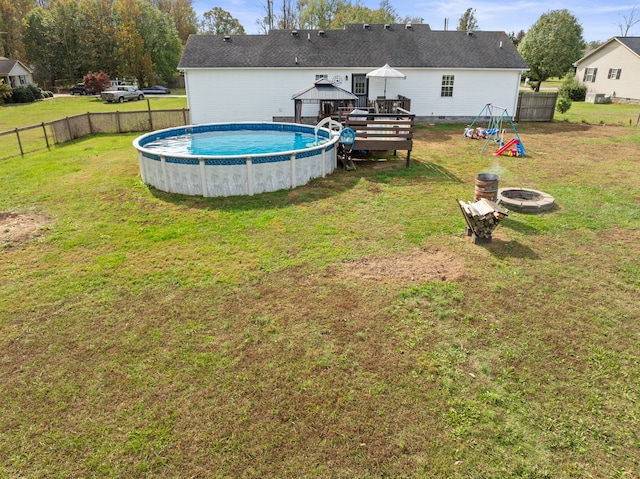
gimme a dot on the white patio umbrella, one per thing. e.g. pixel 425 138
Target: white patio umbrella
pixel 386 72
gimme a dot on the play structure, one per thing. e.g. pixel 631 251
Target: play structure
pixel 490 125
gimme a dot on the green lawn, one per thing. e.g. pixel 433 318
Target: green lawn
pixel 609 114
pixel 346 328
pixel 20 115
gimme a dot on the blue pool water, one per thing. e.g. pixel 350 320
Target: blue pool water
pixel 230 143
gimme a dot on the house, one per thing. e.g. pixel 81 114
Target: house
pixel 14 73
pixel 612 70
pixel 450 75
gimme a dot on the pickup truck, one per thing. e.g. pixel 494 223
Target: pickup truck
pixel 81 89
pixel 121 93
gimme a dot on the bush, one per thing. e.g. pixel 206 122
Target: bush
pixel 22 94
pixel 563 104
pixel 572 89
pixel 25 94
pixel 5 92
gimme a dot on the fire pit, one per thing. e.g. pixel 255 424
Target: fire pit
pixel 525 200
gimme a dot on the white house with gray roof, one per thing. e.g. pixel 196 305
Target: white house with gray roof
pixel 450 75
pixel 14 73
pixel 612 69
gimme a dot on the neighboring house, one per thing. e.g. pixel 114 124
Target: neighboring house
pixel 14 73
pixel 612 69
pixel 450 75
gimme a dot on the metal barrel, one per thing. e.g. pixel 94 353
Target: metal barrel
pixel 486 187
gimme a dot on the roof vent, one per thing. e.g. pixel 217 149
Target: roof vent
pixel 226 38
pixel 408 26
pixel 469 32
pixel 294 33
pixel 321 33
pixel 309 36
pixel 500 43
pixel 387 26
pixel 366 26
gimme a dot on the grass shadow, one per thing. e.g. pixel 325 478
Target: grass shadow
pixel 382 170
pixel 509 249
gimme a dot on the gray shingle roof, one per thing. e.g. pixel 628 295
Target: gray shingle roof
pixel 633 43
pixel 355 46
pixel 6 65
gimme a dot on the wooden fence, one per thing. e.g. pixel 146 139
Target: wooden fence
pixel 28 139
pixel 534 106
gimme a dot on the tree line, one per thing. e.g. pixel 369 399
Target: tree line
pixel 63 40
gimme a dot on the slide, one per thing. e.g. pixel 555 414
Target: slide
pixel 506 146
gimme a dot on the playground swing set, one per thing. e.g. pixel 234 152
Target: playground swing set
pixel 494 117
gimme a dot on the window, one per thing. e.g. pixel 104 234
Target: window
pixel 447 85
pixel 614 73
pixel 320 76
pixel 23 79
pixel 590 75
pixel 359 84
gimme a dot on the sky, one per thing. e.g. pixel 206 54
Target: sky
pixel 600 20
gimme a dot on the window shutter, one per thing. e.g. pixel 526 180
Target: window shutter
pixel 595 70
pixel 618 75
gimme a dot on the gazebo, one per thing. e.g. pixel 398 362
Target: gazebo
pixel 326 94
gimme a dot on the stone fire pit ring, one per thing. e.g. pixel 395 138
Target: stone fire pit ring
pixel 524 200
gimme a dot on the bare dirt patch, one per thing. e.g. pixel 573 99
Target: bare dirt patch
pixel 17 228
pixel 423 265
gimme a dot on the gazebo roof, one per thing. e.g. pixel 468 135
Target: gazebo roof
pixel 323 90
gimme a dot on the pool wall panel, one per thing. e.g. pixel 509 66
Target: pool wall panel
pixel 219 176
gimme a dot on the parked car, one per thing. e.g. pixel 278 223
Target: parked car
pixel 156 90
pixel 81 89
pixel 121 93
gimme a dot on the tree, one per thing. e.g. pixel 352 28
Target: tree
pixel 360 14
pixel 592 45
pixel 38 46
pixel 318 14
pixel 468 21
pixel 11 14
pixel 516 38
pixel 220 22
pixel 629 22
pixel 551 45
pixel 99 81
pixel 267 22
pixel 183 15
pixel 288 18
pixel 412 20
pixel 5 91
pixel 99 38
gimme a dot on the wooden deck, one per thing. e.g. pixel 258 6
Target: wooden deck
pixel 382 132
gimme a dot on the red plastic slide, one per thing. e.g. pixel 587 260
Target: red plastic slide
pixel 506 146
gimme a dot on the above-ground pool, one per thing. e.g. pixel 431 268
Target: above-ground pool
pixel 224 159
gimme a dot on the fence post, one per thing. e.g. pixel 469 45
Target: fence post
pixel 150 115
pixel 184 117
pixel 89 121
pixel 69 128
pixel 46 138
pixel 19 142
pixel 118 121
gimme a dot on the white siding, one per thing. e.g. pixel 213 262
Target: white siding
pixel 613 55
pixel 216 95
